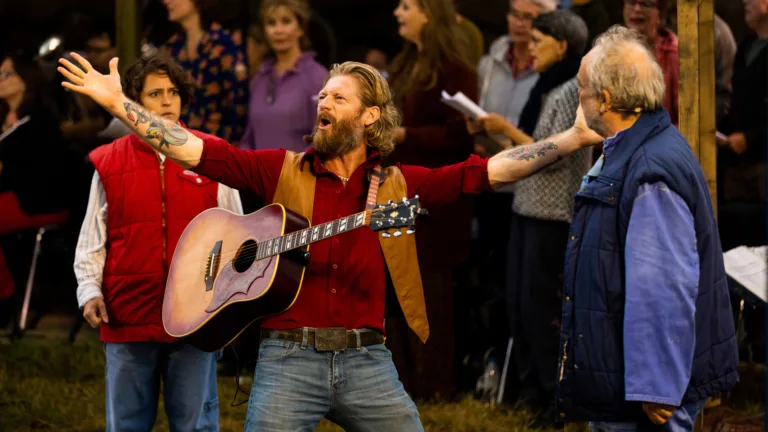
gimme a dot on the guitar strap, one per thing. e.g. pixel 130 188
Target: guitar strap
pixel 377 176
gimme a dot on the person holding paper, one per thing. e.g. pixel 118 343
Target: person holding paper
pixel 433 60
pixel 542 207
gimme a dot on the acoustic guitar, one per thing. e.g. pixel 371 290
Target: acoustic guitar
pixel 230 270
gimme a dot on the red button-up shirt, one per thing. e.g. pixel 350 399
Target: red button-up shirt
pixel 345 282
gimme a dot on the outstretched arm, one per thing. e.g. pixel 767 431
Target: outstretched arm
pixel 163 135
pixel 519 162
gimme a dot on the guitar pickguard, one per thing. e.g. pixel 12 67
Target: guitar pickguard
pixel 230 283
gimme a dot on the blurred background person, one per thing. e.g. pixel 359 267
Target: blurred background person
pixel 472 35
pixel 256 48
pixel 216 63
pixel 283 94
pixel 742 160
pixel 34 182
pixel 433 59
pixel 725 54
pixel 595 16
pixel 649 17
pixel 89 119
pixel 542 211
pixel 505 74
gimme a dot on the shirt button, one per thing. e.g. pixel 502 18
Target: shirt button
pixel 199 180
pixel 573 237
pixel 333 290
pixel 338 191
pixel 336 240
pixel 567 299
pixel 335 266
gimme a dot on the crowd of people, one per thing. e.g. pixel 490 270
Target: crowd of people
pixel 493 265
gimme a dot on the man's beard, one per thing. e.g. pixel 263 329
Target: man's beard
pixel 342 138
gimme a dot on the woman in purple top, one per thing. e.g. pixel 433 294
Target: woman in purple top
pixel 283 101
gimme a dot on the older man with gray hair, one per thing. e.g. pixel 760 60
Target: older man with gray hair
pixel 647 333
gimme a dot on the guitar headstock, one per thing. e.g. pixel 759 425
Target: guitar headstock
pixel 396 214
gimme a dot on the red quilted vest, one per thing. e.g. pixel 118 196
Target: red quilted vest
pixel 148 207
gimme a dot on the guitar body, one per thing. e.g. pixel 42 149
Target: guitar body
pixel 209 312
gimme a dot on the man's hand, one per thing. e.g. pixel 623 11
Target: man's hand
pixel 95 312
pixel 658 413
pixel 495 123
pixel 104 89
pixel 737 142
pixel 587 137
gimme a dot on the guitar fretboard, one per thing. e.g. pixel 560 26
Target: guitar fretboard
pixel 309 235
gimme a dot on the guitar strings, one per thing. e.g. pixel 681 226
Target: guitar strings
pixel 250 251
pixel 256 246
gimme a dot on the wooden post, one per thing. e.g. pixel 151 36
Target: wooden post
pixel 127 20
pixel 696 87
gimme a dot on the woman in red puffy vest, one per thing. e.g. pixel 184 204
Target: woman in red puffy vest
pixel 139 205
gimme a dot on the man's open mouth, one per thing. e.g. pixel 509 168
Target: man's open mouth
pixel 324 124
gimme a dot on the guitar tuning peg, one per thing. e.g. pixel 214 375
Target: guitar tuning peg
pixel 410 231
pixel 405 200
pixel 390 202
pixel 416 196
pixel 386 235
pixel 398 233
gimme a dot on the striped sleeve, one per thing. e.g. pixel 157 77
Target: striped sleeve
pixel 91 251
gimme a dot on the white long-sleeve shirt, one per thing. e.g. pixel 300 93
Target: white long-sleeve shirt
pixel 91 252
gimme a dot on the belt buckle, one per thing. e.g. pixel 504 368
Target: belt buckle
pixel 331 339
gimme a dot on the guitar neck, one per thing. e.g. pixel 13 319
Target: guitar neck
pixel 313 234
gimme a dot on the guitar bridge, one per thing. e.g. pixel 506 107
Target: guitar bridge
pixel 212 265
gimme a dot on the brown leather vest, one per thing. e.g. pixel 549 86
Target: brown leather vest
pixel 296 191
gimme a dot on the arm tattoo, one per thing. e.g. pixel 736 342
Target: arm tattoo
pixel 134 114
pixel 530 152
pixel 158 128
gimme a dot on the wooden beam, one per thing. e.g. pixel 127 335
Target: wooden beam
pixel 696 87
pixel 128 31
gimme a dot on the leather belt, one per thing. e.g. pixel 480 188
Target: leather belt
pixel 327 339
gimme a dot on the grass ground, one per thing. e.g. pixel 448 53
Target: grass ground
pixel 48 384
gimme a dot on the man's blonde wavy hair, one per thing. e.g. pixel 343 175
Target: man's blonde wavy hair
pixel 374 91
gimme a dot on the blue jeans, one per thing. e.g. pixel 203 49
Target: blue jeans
pixel 295 388
pixel 134 371
pixel 681 421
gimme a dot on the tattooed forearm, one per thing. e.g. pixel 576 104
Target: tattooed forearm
pixel 530 152
pixel 135 114
pixel 165 132
pixel 519 162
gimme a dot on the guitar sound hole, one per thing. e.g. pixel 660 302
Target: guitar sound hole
pixel 246 255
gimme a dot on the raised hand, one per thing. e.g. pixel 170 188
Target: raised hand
pixel 103 89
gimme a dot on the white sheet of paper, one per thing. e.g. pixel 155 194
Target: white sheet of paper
pixel 748 267
pixel 463 104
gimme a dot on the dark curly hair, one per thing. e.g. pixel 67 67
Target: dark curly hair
pixel 136 75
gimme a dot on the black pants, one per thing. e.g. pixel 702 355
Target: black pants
pixel 534 293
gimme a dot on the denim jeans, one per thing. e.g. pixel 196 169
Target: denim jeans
pixel 134 371
pixel 682 421
pixel 294 388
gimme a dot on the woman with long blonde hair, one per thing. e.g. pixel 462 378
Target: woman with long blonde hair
pixel 434 58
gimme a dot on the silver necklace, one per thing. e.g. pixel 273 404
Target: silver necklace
pixel 344 179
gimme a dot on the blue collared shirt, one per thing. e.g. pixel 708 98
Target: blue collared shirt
pixel 662 277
